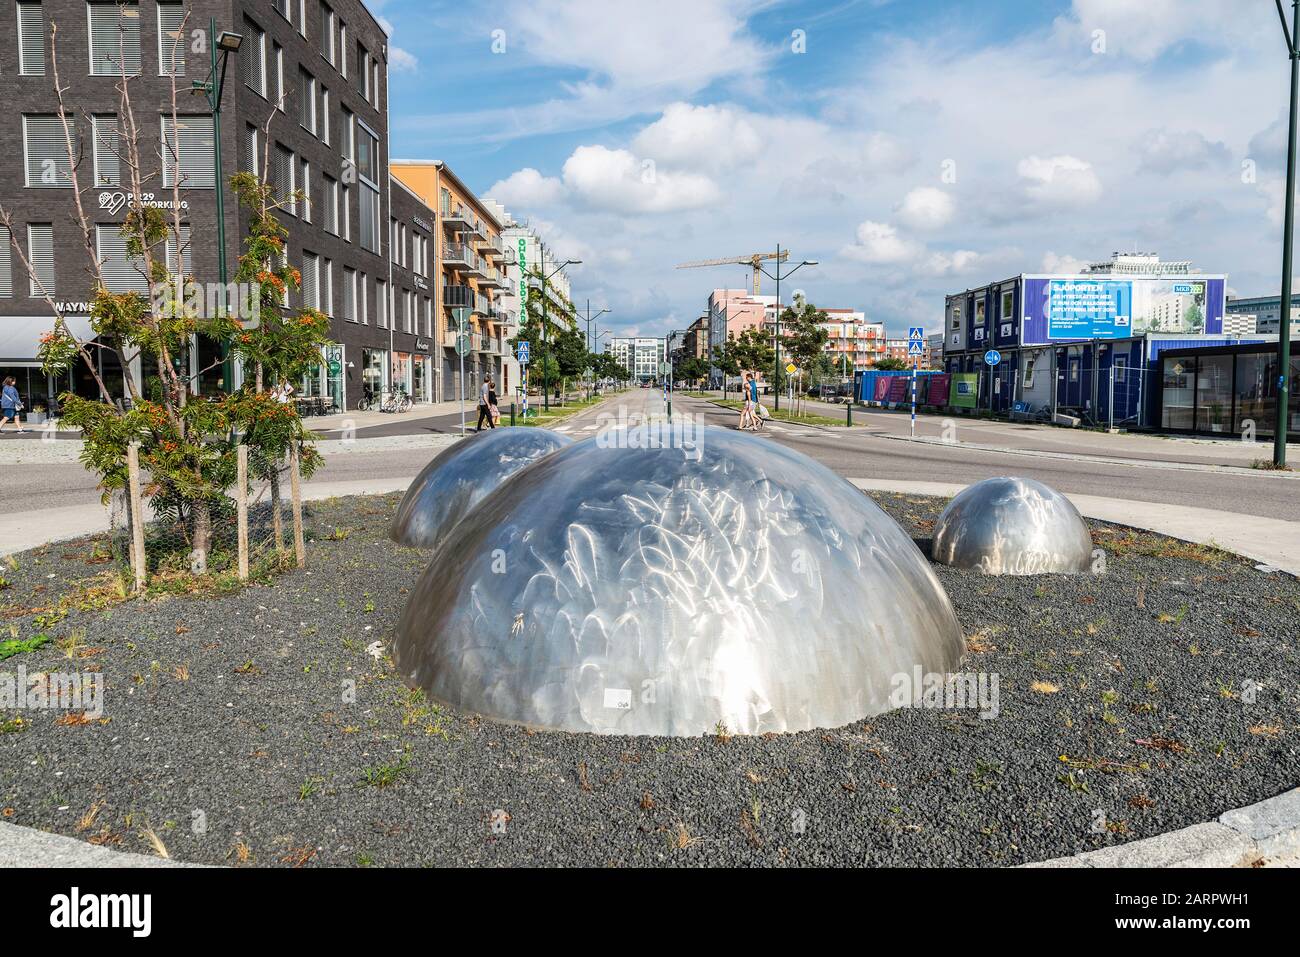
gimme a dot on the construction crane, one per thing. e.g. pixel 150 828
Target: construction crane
pixel 754 260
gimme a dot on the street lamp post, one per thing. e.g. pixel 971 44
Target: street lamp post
pixel 776 339
pixel 212 88
pixel 546 277
pixel 1292 37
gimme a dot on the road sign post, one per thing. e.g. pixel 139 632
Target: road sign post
pixel 461 315
pixel 991 359
pixel 915 348
pixel 523 354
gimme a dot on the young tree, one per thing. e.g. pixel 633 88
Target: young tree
pixel 724 359
pixel 187 443
pixel 804 336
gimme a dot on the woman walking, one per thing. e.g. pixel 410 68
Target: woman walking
pixel 747 411
pixel 484 405
pixel 11 404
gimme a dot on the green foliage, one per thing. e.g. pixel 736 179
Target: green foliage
pixel 891 364
pixel 16 646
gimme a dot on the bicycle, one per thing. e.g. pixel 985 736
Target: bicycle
pixel 397 401
pixel 367 401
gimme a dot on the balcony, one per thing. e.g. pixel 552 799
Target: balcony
pixel 491 247
pixel 464 297
pixel 458 218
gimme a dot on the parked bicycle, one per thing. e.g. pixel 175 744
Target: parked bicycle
pixel 368 401
pixel 397 401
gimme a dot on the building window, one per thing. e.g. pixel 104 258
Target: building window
pixel 250 155
pixel 381 304
pixel 252 58
pixel 302 18
pixel 45 153
pixel 114 38
pixel 31 39
pixel 40 253
pixel 310 280
pixel 282 178
pixel 6 264
pixel 370 218
pixel 325 116
pixel 345 201
pixel 1008 304
pixel 108 166
pixel 304 186
pixel 122 272
pixel 330 202
pixel 279 76
pixel 363 72
pixel 327 292
pixel 326 38
pixel 349 134
pixel 367 158
pixel 171 42
pixel 179 263
pixel 363 300
pixel 284 8
pixel 189 140
pixel 307 101
pixel 343 49
pixel 349 294
pixel 374 83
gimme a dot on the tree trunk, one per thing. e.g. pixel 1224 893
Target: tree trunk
pixel 202 536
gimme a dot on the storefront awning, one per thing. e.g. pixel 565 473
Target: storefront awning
pixel 20 336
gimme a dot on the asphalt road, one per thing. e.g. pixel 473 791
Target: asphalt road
pixel 860 453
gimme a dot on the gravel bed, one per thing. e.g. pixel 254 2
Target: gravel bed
pixel 1155 697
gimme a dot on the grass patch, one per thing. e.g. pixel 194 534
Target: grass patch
pixel 1268 465
pixel 1149 545
pixel 785 415
pixel 538 416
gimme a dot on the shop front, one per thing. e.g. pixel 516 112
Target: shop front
pixel 374 373
pixel 1225 391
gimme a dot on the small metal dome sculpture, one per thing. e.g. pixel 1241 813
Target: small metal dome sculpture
pixel 461 476
pixel 1012 526
pixel 635 586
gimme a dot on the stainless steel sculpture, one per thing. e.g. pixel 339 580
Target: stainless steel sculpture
pixel 1012 526
pixel 461 476
pixel 618 588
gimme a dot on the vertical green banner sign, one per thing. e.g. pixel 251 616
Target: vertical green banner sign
pixel 523 277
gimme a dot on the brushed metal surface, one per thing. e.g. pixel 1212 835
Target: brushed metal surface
pixel 667 591
pixel 1012 526
pixel 460 477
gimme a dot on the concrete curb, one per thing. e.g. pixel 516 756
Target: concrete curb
pixel 1095 459
pixel 27 847
pixel 1264 834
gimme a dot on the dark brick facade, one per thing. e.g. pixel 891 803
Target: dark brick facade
pixel 241 107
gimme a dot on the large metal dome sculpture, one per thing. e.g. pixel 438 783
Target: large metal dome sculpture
pixel 461 476
pixel 1012 526
pixel 618 588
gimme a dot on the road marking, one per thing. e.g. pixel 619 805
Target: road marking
pixel 563 428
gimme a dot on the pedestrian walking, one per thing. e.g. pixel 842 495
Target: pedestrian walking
pixel 11 404
pixel 494 404
pixel 749 413
pixel 484 406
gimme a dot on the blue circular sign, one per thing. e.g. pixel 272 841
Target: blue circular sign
pixel 992 357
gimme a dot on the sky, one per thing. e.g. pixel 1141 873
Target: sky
pixel 913 148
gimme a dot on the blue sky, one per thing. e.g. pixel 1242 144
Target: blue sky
pixel 913 147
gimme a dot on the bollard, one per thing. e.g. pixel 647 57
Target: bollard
pixel 670 408
pixel 512 413
pixel 848 414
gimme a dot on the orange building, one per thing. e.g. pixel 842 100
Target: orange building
pixel 468 268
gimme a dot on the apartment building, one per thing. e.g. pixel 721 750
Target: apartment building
pixel 468 276
pixel 853 342
pixel 304 104
pixel 639 354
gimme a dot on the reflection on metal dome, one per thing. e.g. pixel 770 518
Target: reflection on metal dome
pixel 1012 526
pixel 461 476
pixel 618 588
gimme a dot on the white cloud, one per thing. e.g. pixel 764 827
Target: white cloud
pixel 1052 263
pixel 1058 180
pixel 699 137
pixel 926 207
pixel 617 181
pixel 527 187
pixel 879 243
pixel 947 264
pixel 402 61
pixel 1167 151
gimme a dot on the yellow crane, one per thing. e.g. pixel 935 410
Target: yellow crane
pixel 753 260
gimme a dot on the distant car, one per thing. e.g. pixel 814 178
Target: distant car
pixel 827 393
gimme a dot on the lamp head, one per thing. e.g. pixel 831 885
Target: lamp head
pixel 229 42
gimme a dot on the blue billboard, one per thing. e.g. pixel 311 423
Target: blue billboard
pixel 1074 308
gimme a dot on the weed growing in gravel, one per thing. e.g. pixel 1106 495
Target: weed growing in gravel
pixel 1149 545
pixel 15 646
pixel 385 775
pixel 13 725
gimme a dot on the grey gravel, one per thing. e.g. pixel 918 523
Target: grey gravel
pixel 228 735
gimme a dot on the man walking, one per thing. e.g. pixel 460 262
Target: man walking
pixel 485 405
